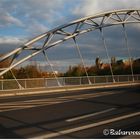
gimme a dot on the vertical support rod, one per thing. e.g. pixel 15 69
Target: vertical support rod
pixel 105 46
pixel 128 50
pixel 19 85
pixel 82 60
pixel 106 79
pixel 47 60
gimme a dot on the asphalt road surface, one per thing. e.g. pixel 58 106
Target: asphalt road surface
pixel 93 113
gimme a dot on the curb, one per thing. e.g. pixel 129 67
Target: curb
pixel 64 89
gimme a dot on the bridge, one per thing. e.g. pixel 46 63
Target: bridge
pixel 87 106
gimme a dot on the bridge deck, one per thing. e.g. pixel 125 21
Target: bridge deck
pixel 71 114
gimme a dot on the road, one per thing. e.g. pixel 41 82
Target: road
pixel 73 114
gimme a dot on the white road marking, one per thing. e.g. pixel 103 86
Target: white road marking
pixel 89 115
pixel 63 132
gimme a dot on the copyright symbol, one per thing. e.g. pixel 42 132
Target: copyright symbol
pixel 106 132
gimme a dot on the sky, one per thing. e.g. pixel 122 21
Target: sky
pixel 21 20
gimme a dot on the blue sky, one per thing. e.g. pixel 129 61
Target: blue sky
pixel 21 20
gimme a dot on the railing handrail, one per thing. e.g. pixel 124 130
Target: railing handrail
pixel 67 77
pixel 32 83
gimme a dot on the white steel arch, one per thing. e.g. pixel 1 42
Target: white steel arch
pixel 71 30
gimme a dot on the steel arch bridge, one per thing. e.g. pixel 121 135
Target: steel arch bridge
pixel 71 31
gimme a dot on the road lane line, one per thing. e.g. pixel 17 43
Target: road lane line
pixel 89 115
pixel 64 132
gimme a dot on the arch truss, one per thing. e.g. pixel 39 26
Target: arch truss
pixel 43 42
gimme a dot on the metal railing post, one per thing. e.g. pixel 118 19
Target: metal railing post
pixel 118 78
pixel 80 80
pixel 46 82
pixel 94 79
pixel 133 78
pixel 128 78
pixel 25 83
pixel 2 85
pixel 64 81
pixel 106 79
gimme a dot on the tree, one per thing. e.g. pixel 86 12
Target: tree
pixel 92 71
pixel 5 63
pixel 75 71
pixel 32 71
pixel 29 71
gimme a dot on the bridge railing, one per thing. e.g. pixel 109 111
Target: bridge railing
pixel 8 84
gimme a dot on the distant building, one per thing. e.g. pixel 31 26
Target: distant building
pixel 127 63
pixel 56 72
pixel 113 60
pixel 98 62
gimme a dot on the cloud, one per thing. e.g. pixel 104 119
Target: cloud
pixel 36 28
pixel 7 19
pixel 33 17
pixel 11 40
pixel 90 7
pixel 42 9
pixel 8 43
pixel 35 9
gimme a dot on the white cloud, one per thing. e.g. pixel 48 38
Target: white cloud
pixel 7 19
pixel 36 28
pixel 36 9
pixel 22 12
pixel 11 40
pixel 9 43
pixel 90 7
